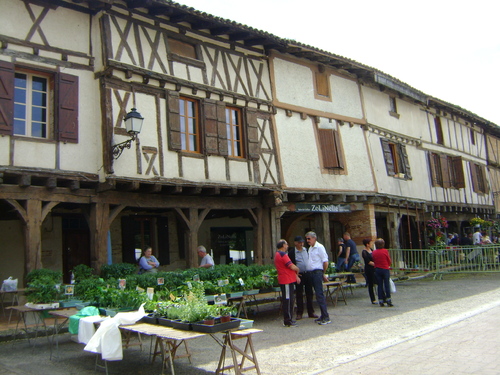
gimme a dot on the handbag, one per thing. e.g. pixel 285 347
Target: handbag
pixel 393 286
pixel 9 285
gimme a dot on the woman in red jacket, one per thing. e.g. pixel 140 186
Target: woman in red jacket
pixel 382 262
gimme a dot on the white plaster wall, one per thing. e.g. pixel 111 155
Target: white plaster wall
pixel 300 158
pixel 193 168
pixel 12 250
pixel 238 171
pixel 295 85
pixel 216 168
pixel 412 121
pixel 180 70
pixel 17 22
pixel 4 149
pixel 34 154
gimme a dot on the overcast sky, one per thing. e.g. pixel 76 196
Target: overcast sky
pixel 447 49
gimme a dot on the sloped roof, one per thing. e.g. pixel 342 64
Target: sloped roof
pixel 249 37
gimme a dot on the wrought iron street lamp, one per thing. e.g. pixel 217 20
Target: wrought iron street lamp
pixel 133 125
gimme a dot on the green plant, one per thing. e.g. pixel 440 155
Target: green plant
pixel 43 290
pixel 90 289
pixel 225 310
pixel 82 272
pixel 44 274
pixel 118 270
pixel 476 221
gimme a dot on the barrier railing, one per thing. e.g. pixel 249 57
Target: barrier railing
pixel 485 258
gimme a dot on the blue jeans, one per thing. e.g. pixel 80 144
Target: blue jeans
pixel 317 283
pixel 352 259
pixel 384 287
pixel 341 265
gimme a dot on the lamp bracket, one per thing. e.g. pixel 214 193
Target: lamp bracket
pixel 119 147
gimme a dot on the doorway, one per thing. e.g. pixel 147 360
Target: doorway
pixel 76 244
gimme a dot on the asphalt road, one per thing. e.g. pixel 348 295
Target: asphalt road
pixel 360 333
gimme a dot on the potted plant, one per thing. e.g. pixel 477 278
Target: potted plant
pixel 226 312
pixel 476 222
pixel 44 288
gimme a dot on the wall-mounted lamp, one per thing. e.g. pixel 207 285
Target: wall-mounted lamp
pixel 133 124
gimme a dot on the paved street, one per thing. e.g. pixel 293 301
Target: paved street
pixel 436 327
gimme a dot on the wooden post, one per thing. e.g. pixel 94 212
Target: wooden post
pixel 193 219
pixel 33 235
pixel 99 226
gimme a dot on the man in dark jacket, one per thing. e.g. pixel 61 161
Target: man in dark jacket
pixel 299 256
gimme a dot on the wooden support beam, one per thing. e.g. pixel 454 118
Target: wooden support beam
pixel 24 180
pixel 99 227
pixel 51 183
pixel 154 188
pixel 294 197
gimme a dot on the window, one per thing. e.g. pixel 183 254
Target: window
pixel 38 104
pixel 396 159
pixel 472 136
pixel 31 112
pixel 182 48
pixel 234 132
pixel 439 130
pixel 321 83
pixel 210 127
pixel 446 171
pixel 331 151
pixel 393 108
pixel 189 125
pixel 478 174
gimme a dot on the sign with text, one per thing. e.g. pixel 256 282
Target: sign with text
pixel 321 207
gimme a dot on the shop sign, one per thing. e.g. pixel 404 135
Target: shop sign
pixel 310 207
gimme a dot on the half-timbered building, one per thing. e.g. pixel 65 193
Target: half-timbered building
pixel 246 138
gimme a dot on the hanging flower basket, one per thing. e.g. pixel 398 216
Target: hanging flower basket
pixel 437 223
pixel 476 222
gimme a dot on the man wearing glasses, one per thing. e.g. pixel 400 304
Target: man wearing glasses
pixel 318 263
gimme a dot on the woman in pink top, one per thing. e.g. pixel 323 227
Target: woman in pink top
pixel 382 262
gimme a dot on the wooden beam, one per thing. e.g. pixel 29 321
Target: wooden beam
pixel 24 180
pixel 51 183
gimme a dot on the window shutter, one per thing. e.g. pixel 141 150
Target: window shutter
pixel 6 97
pixel 445 172
pixel 439 130
pixel 473 174
pixel 253 133
pixel 330 149
pixel 222 129
pixel 338 150
pixel 389 163
pixel 485 181
pixel 67 108
pixel 174 123
pixel 434 170
pixel 458 172
pixel 211 128
pixel 406 161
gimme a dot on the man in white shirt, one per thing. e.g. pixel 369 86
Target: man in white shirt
pixel 206 259
pixel 477 237
pixel 318 263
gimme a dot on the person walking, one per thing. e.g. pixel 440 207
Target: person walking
pixel 318 264
pixel 300 257
pixel 288 275
pixel 369 269
pixel 382 262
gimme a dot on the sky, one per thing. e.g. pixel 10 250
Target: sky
pixel 447 49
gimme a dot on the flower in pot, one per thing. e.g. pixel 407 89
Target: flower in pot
pixel 226 312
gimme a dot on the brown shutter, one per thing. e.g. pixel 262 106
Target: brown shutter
pixel 211 131
pixel 445 172
pixel 473 174
pixel 338 150
pixel 222 129
pixel 434 171
pixel 174 122
pixel 439 130
pixel 389 163
pixel 253 133
pixel 405 160
pixel 485 180
pixel 67 108
pixel 327 146
pixel 6 97
pixel 458 172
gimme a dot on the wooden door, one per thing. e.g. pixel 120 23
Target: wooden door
pixel 76 245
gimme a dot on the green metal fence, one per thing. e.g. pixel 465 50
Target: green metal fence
pixel 485 258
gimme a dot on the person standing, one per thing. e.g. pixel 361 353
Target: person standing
pixel 206 259
pixel 341 256
pixel 300 257
pixel 382 262
pixel 288 275
pixel 148 262
pixel 477 237
pixel 351 254
pixel 369 268
pixel 318 264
